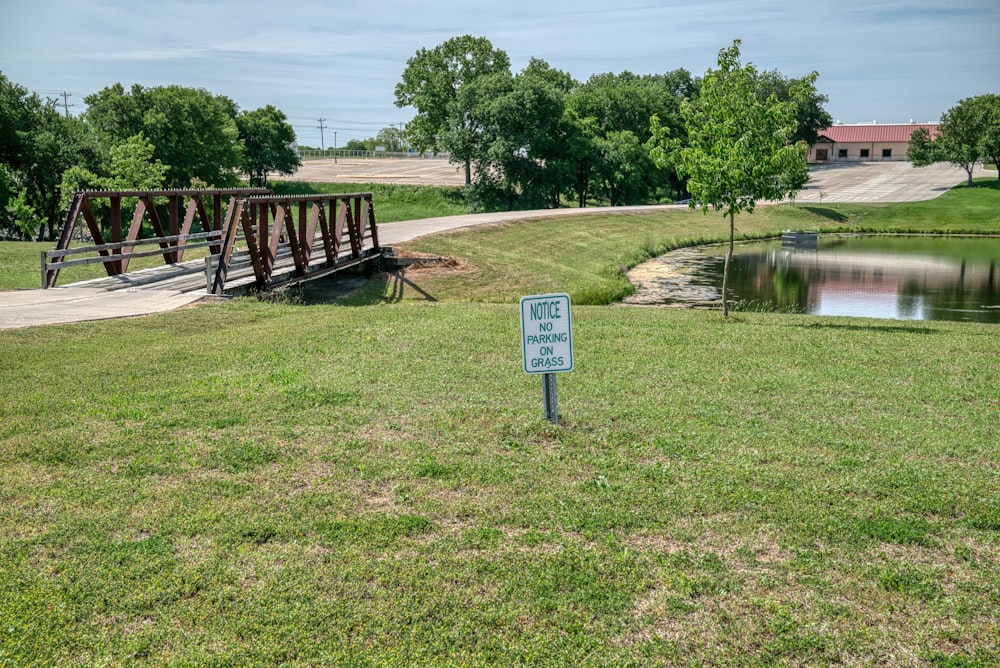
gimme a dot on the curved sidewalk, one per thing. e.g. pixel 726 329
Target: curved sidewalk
pixel 28 308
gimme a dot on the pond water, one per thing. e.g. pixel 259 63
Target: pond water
pixel 898 277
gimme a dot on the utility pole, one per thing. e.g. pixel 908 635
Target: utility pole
pixel 322 143
pixel 335 147
pixel 66 104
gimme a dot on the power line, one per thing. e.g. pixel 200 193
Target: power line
pixel 64 94
pixel 66 105
pixel 341 121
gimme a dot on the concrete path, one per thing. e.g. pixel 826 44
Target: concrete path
pixel 395 233
pixel 26 308
pixel 75 303
pixel 846 182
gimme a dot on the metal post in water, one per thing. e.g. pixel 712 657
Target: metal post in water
pixel 550 400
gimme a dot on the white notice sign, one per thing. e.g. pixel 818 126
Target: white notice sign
pixel 546 333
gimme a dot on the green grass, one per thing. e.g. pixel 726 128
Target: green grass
pixel 20 264
pixel 271 484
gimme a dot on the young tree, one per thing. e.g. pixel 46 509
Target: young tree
pixel 739 144
pixel 921 150
pixel 267 144
pixel 433 82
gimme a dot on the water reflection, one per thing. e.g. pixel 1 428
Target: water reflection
pixel 905 278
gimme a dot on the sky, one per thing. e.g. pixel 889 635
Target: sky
pixel 889 61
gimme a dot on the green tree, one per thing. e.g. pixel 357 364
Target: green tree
pixel 360 145
pixel 739 144
pixel 133 167
pixel 960 137
pixel 521 135
pixel 267 144
pixel 622 168
pixel 193 130
pixel 37 144
pixel 810 115
pixel 990 141
pixel 130 166
pixel 392 139
pixel 433 83
pixel 921 151
pixel 21 215
pixel 610 109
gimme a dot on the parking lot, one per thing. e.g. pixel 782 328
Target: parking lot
pixel 412 171
pixel 835 182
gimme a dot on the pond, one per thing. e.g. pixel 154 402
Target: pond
pixel 898 277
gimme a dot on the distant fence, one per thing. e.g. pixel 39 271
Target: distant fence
pixel 329 154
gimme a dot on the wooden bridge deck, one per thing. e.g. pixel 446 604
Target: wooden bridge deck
pixel 196 276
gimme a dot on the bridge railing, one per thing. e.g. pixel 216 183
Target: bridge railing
pixel 173 235
pixel 293 238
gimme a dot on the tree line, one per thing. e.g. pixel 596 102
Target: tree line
pixel 538 138
pixel 137 138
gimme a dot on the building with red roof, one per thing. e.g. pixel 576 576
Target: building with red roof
pixel 865 142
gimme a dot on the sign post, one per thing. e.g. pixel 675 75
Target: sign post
pixel 547 343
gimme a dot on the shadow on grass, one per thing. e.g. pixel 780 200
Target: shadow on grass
pixel 397 282
pixel 825 212
pixel 989 183
pixel 359 290
pixel 889 329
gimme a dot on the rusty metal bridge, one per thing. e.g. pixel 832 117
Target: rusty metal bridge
pixel 247 239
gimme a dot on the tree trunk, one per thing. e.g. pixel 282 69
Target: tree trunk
pixel 725 271
pixel 468 172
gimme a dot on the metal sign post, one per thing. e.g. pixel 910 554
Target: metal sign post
pixel 550 400
pixel 547 343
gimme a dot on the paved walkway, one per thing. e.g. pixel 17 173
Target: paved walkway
pixel 850 182
pixel 73 303
pixel 26 308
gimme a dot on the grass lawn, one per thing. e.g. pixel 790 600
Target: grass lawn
pixel 265 484
pixel 307 485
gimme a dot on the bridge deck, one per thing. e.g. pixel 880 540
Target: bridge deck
pixel 190 276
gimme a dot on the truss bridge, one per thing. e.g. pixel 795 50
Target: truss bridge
pixel 215 241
